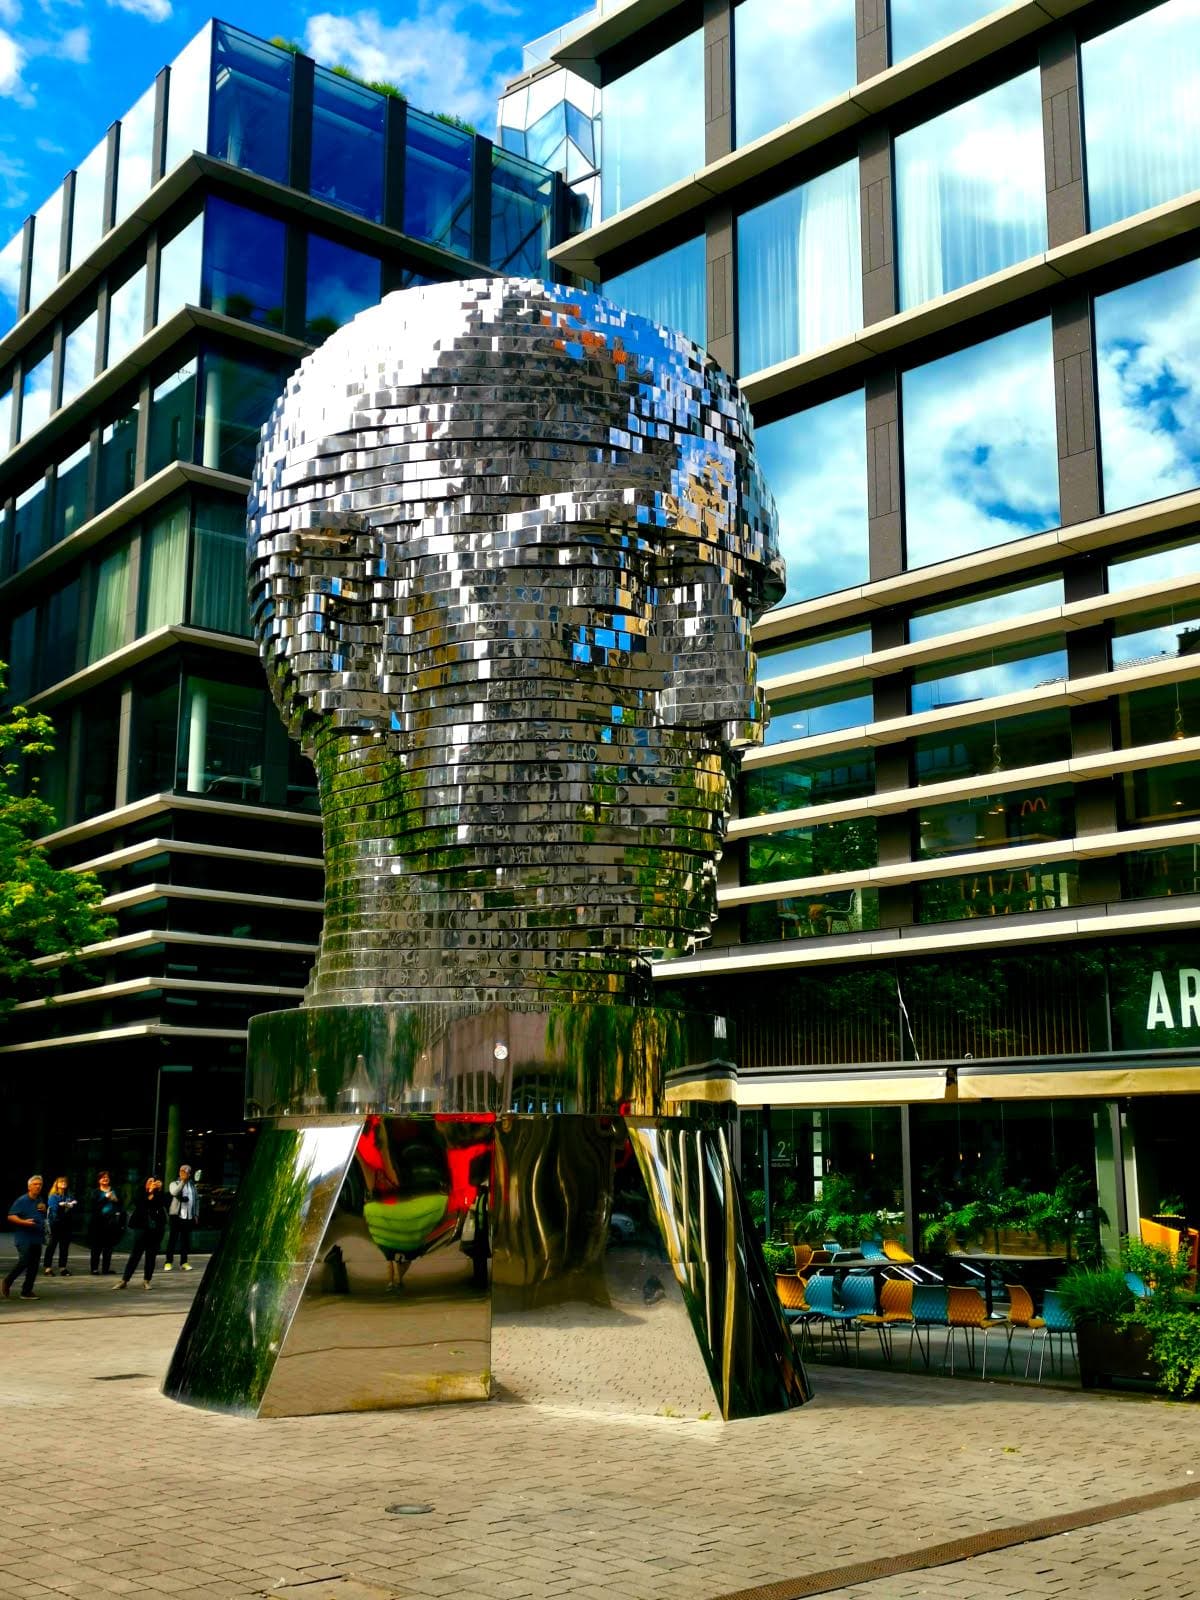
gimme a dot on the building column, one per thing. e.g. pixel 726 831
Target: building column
pixel 721 285
pixel 718 79
pixel 877 223
pixel 1114 1167
pixel 719 225
pixel 1062 134
pixel 871 37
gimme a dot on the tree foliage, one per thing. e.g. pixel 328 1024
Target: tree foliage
pixel 44 910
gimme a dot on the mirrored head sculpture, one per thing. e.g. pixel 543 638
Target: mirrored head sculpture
pixel 506 544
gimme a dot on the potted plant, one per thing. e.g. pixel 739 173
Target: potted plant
pixel 1166 1317
pixel 1099 1301
pixel 838 1214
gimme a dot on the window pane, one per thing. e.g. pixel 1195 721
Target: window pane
pixel 1141 115
pixel 221 740
pixel 1165 634
pixel 60 634
pixel 79 357
pixel 847 846
pixel 1149 383
pixel 126 316
pixel 521 202
pixel 995 821
pixel 828 711
pixel 816 464
pixel 341 283
pixel 237 399
pixel 821 652
pixel 179 268
pixel 818 782
pixel 98 766
pixel 29 525
pixel 1148 873
pixel 982 610
pixel 88 221
pixel 799 270
pixel 971 191
pixel 995 746
pixel 173 419
pixel 219 598
pixel 155 736
pixel 654 124
pixel 134 153
pixel 1152 716
pixel 110 597
pixel 990 673
pixel 6 420
pixel 47 243
pixel 22 644
pixel 980 446
pixel 669 289
pixel 35 395
pixel 187 99
pixel 243 263
pixel 347 144
pixel 916 24
pixel 251 104
pixel 118 454
pixel 1000 893
pixel 10 283
pixel 437 183
pixel 164 568
pixel 70 493
pixel 1154 566
pixel 788 59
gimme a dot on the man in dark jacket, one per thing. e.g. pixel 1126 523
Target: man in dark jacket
pixel 27 1214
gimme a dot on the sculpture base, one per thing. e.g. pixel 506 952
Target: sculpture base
pixel 388 1261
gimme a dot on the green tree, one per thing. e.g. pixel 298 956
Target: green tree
pixel 44 910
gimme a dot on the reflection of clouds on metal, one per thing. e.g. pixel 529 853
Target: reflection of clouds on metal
pixel 507 543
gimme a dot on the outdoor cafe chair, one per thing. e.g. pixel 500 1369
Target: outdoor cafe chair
pixel 1058 1323
pixel 966 1313
pixel 791 1287
pixel 1138 1286
pixel 1020 1315
pixel 858 1303
pixel 819 1294
pixel 803 1254
pixel 928 1311
pixel 871 1250
pixel 895 1300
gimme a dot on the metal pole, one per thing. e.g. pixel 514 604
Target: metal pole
pixel 765 1136
pixel 154 1140
pixel 906 1180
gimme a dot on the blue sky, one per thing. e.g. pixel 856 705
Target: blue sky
pixel 70 67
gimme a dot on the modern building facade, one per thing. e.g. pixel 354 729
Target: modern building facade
pixel 952 252
pixel 247 205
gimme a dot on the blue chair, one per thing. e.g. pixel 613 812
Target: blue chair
pixel 1140 1289
pixel 928 1311
pixel 858 1300
pixel 820 1297
pixel 1060 1325
pixel 872 1250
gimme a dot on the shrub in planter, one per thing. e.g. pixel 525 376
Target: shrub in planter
pixel 779 1257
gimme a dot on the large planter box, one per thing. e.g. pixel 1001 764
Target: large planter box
pixel 1108 1355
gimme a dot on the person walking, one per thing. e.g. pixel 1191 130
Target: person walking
pixel 106 1224
pixel 60 1225
pixel 148 1220
pixel 184 1209
pixel 27 1214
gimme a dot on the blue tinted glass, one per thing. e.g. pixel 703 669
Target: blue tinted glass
pixel 1141 113
pixel 88 220
pixel 669 289
pixel 816 466
pixel 134 153
pixel 1149 376
pixel 47 242
pixel 983 610
pixel 829 648
pixel 988 674
pixel 980 446
pixel 187 98
pixel 971 191
pixel 1154 635
pixel 916 24
pixel 79 357
pixel 799 270
pixel 251 112
pixel 126 315
pixel 29 525
pixel 70 493
pixel 10 282
pixel 6 420
pixel 243 263
pixel 521 201
pixel 118 459
pixel 179 269
pixel 437 183
pixel 788 59
pixel 543 138
pixel 341 283
pixel 801 717
pixel 35 395
pixel 654 124
pixel 1154 566
pixel 347 145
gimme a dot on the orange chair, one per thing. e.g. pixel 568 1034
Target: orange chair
pixel 966 1312
pixel 896 1252
pixel 790 1287
pixel 896 1302
pixel 803 1254
pixel 1020 1315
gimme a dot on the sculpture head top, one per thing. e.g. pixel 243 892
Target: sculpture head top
pixel 507 541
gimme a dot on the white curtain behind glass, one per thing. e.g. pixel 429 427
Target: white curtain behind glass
pixel 668 289
pixel 970 191
pixel 164 570
pixel 800 270
pixel 219 570
pixel 107 631
pixel 1141 112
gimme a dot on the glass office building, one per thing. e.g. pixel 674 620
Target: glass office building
pixel 960 905
pixel 247 205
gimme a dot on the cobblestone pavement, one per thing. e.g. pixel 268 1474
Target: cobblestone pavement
pixel 106 1488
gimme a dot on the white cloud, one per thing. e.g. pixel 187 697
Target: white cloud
pixel 443 56
pixel 74 45
pixel 14 192
pixel 10 11
pixel 152 10
pixel 12 76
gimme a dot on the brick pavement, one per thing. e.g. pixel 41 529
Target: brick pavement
pixel 535 1502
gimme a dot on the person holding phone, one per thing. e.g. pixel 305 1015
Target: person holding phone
pixel 148 1219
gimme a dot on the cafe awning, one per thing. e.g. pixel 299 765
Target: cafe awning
pixel 1102 1081
pixel 856 1087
